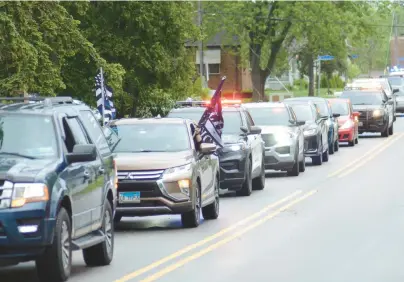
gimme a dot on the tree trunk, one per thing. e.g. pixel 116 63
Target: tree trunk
pixel 258 78
pixel 311 74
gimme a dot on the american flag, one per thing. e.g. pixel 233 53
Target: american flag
pixel 211 122
pixel 105 98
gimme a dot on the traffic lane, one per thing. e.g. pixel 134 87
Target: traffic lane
pixel 158 237
pixel 350 230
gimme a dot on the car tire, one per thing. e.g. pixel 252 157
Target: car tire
pixel 336 146
pixel 259 182
pixel 331 149
pixel 302 165
pixel 246 189
pixel 357 140
pixel 385 133
pixel 192 218
pixel 117 218
pixel 102 253
pixel 212 211
pixel 326 156
pixel 351 143
pixel 55 264
pixel 391 130
pixel 296 167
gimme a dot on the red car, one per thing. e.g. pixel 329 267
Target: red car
pixel 347 121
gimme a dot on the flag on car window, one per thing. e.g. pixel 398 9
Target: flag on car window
pixel 104 98
pixel 211 122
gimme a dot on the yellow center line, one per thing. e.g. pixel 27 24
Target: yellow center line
pixel 341 170
pixel 392 141
pixel 222 242
pixel 206 240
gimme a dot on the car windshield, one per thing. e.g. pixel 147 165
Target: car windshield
pixel 192 115
pixel 396 81
pixel 151 137
pixel 232 123
pixel 303 112
pixel 340 108
pixel 270 116
pixel 29 136
pixel 363 98
pixel 323 108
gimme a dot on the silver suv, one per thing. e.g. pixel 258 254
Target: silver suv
pixel 282 134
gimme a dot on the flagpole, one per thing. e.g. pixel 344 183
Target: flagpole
pixel 103 97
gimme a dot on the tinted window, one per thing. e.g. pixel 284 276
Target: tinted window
pixel 304 112
pixel 341 108
pixel 94 129
pixel 30 135
pixel 232 123
pixel 78 133
pixel 363 98
pixel 192 115
pixel 150 137
pixel 270 116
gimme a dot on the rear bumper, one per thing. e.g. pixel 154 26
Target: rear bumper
pixel 20 245
pixel 346 135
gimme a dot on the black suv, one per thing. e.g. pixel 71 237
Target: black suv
pixel 57 186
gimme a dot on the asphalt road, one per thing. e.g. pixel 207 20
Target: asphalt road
pixel 343 221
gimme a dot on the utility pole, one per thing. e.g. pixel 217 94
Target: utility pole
pixel 396 62
pixel 200 44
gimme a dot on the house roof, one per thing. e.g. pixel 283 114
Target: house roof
pixel 219 39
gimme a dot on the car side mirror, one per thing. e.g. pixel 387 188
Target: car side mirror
pixel 244 129
pixel 255 130
pixel 336 115
pixel 82 153
pixel 300 122
pixel 395 90
pixel 207 148
pixel 324 117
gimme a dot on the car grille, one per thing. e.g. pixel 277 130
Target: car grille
pixel 363 115
pixel 310 143
pixel 269 140
pixel 6 192
pixel 126 175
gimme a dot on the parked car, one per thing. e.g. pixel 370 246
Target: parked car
pixel 160 175
pixel 397 82
pixel 282 134
pixel 315 130
pixel 348 121
pixel 374 107
pixel 58 186
pixel 241 160
pixel 330 118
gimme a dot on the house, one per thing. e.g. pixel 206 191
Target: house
pixel 220 60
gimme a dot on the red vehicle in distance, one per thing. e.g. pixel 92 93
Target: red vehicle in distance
pixel 347 121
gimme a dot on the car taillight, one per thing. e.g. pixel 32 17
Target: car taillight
pixel 115 175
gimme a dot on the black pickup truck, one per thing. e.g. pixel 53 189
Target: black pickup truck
pixel 57 186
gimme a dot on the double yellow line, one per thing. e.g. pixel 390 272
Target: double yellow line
pixel 352 166
pixel 260 219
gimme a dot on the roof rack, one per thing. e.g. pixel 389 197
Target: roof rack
pixel 55 100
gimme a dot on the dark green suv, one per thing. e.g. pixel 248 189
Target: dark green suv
pixel 57 186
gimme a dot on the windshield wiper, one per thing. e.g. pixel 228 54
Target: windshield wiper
pixel 149 151
pixel 362 104
pixel 18 155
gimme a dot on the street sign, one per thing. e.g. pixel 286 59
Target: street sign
pixel 325 58
pixel 354 56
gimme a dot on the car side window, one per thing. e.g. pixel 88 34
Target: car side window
pixel 95 131
pixel 74 133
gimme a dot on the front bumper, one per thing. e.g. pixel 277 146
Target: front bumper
pixel 232 169
pixel 346 135
pixel 311 146
pixel 372 124
pixel 17 245
pixel 280 157
pixel 154 199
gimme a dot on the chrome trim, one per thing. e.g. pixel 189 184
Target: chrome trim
pixel 140 175
pixel 151 209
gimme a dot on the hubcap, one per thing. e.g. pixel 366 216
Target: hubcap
pixel 108 231
pixel 65 243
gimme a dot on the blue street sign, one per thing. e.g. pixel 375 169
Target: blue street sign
pixel 354 56
pixel 326 58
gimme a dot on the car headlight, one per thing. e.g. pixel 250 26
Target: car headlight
pixel 28 193
pixel 283 138
pixel 348 124
pixel 178 169
pixel 311 131
pixel 236 147
pixel 378 113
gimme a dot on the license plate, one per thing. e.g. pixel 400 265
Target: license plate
pixel 129 197
pixel 360 123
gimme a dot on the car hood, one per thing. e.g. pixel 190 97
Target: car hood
pixel 231 138
pixel 342 119
pixel 18 169
pixel 365 107
pixel 150 161
pixel 309 124
pixel 266 129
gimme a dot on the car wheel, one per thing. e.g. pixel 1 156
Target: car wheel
pixel 212 211
pixel 192 218
pixel 385 132
pixel 55 264
pixel 102 253
pixel 356 140
pixel 259 182
pixel 336 146
pixel 326 156
pixel 117 218
pixel 302 165
pixel 391 130
pixel 296 168
pixel 247 185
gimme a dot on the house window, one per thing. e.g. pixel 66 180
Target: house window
pixel 213 68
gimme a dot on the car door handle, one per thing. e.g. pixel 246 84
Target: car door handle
pixel 86 174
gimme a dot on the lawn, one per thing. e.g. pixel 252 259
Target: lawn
pixel 302 92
